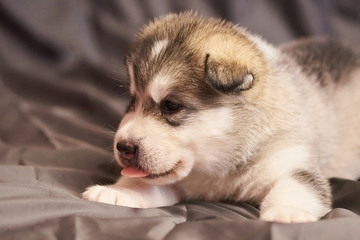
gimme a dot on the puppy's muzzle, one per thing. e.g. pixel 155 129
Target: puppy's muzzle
pixel 128 153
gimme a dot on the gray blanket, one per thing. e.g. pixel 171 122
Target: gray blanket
pixel 63 92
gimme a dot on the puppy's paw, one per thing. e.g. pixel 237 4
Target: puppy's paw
pixel 113 195
pixel 287 215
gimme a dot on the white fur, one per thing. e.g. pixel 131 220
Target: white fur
pixel 346 162
pixel 291 201
pixel 283 161
pixel 208 130
pixel 132 193
pixel 158 88
pixel 158 47
pixel 272 166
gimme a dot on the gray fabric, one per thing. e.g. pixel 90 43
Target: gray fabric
pixel 63 92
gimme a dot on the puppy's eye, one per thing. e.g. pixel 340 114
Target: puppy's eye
pixel 170 106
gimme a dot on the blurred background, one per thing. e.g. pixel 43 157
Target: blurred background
pixel 63 79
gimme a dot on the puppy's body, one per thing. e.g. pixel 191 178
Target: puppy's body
pixel 218 113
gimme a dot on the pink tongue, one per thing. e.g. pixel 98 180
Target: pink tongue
pixel 133 172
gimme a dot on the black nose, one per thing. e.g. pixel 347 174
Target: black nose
pixel 128 152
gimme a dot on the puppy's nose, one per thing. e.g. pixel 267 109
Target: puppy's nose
pixel 128 152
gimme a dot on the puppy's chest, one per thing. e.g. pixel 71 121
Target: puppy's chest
pixel 234 187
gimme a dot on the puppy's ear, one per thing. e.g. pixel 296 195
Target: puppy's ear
pixel 226 76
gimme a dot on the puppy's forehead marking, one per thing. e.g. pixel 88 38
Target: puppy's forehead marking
pixel 159 87
pixel 158 47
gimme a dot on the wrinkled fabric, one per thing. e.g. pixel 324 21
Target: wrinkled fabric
pixel 63 92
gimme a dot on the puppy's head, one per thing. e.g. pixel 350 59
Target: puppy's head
pixel 193 82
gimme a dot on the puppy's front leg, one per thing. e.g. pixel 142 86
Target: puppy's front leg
pixel 132 192
pixel 301 197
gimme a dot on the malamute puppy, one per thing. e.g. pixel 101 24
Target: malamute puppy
pixel 218 113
